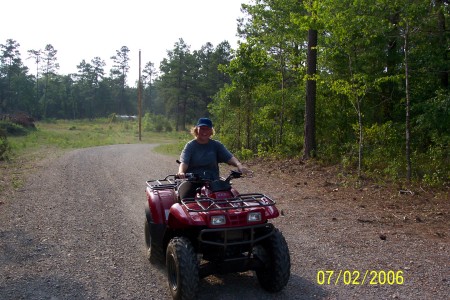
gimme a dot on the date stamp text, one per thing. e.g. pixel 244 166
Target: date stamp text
pixel 356 277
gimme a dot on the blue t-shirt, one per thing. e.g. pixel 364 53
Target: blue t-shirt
pixel 204 159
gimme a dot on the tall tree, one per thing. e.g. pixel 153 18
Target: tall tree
pixel 36 56
pixel 50 68
pixel 149 75
pixel 247 71
pixel 442 12
pixel 98 69
pixel 309 147
pixel 11 68
pixel 84 89
pixel 271 25
pixel 176 73
pixel 309 144
pixel 119 71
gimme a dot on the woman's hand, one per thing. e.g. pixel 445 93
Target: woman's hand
pixel 182 170
pixel 244 170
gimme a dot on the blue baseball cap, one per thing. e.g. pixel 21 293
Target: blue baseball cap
pixel 204 122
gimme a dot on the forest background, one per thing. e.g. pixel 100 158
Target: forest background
pixel 354 83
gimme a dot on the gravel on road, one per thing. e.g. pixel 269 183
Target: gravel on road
pixel 75 231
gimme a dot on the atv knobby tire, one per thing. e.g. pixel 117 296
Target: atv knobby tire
pixel 154 256
pixel 182 269
pixel 148 240
pixel 274 254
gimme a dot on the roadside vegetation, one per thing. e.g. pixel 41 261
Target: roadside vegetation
pixel 360 85
pixel 73 134
pixel 21 148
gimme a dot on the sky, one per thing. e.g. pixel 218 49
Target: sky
pixel 84 29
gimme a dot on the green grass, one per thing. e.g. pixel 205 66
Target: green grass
pixel 51 139
pixel 67 135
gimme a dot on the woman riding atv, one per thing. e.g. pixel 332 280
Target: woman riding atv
pixel 202 156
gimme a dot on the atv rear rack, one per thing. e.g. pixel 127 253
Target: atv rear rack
pixel 162 184
pixel 206 204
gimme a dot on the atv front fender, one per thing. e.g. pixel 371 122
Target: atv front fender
pixel 180 218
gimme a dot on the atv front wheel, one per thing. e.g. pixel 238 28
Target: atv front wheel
pixel 276 270
pixel 182 269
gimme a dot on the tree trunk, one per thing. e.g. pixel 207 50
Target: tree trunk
pixel 310 103
pixel 408 105
pixel 361 136
pixel 283 96
pixel 443 74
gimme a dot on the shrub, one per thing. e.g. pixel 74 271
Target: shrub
pixel 13 129
pixel 5 148
pixel 245 154
pixel 157 123
pixel 112 118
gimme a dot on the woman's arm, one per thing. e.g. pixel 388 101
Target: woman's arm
pixel 182 170
pixel 236 163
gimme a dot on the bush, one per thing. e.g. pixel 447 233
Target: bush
pixel 433 166
pixel 156 123
pixel 112 118
pixel 245 154
pixel 5 148
pixel 384 150
pixel 12 129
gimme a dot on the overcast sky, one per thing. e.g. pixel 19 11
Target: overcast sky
pixel 84 29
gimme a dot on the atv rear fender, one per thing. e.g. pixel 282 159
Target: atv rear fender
pixel 159 203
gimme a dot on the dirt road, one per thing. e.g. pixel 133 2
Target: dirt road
pixel 75 231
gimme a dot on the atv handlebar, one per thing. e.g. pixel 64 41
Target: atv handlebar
pixel 172 181
pixel 198 177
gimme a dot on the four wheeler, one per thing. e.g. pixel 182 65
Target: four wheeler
pixel 215 231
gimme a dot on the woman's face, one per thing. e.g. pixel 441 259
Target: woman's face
pixel 204 133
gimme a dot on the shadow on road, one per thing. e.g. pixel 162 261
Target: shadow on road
pixel 246 286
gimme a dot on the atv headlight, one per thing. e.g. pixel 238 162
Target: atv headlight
pixel 254 216
pixel 218 220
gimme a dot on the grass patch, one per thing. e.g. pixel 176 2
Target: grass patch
pixel 174 148
pixel 76 134
pixel 51 139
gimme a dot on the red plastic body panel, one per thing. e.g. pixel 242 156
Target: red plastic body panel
pixel 179 217
pixel 160 202
pixel 198 212
pixel 220 195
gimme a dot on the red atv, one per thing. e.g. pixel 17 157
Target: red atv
pixel 216 230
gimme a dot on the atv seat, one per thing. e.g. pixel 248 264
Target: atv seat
pixel 186 189
pixel 219 186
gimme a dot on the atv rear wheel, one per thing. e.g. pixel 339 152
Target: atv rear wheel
pixel 274 254
pixel 153 255
pixel 182 269
pixel 148 240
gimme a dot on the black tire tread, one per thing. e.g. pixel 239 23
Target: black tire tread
pixel 186 259
pixel 275 276
pixel 153 255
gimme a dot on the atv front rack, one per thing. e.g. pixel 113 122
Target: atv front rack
pixel 206 204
